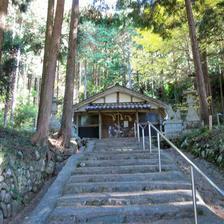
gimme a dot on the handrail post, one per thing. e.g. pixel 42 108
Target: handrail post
pixel 150 137
pixel 135 130
pixel 158 142
pixel 143 138
pixel 218 189
pixel 138 132
pixel 194 196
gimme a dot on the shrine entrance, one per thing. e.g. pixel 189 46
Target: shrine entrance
pixel 118 124
pixel 115 112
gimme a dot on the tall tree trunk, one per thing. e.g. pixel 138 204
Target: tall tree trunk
pixel 93 73
pixel 204 60
pixel 41 136
pixel 188 56
pixel 8 96
pixel 129 83
pixel 17 56
pixel 85 79
pixel 15 86
pixel 124 78
pixel 3 13
pixel 6 107
pixel 76 84
pixel 36 89
pixel 48 36
pixel 36 98
pixel 30 85
pixel 6 111
pixel 205 70
pixel 57 80
pixel 66 125
pixel 80 73
pixel 204 107
pixel 221 88
pixel 98 76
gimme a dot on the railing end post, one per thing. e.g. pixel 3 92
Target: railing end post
pixel 159 154
pixel 194 196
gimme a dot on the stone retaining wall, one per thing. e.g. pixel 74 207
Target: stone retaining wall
pixel 22 175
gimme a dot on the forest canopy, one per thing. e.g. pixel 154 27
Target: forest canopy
pixel 74 49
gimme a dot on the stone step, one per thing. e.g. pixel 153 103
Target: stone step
pixel 120 149
pixel 122 146
pixel 74 188
pixel 118 182
pixel 123 198
pixel 117 150
pixel 120 152
pixel 123 169
pixel 119 145
pixel 169 175
pixel 111 156
pixel 124 162
pixel 118 139
pixel 207 218
pixel 124 214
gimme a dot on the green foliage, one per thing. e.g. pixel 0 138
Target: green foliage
pixel 205 144
pixel 165 57
pixel 10 48
pixel 25 115
pixel 161 16
pixel 11 43
pixel 104 47
pixel 152 36
pixel 12 141
pixel 22 4
pixel 163 65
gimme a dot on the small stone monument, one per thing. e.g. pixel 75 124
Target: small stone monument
pixel 54 124
pixel 192 119
pixel 171 113
pixel 174 124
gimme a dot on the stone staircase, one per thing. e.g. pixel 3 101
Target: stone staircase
pixel 120 183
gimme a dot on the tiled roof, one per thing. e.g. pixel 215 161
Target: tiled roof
pixel 153 102
pixel 117 106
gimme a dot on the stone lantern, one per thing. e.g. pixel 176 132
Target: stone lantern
pixel 192 119
pixel 54 124
pixel 173 126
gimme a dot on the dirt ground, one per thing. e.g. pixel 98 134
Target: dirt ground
pixel 211 197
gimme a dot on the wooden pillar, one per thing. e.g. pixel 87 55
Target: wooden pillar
pixel 137 117
pixel 100 125
pixel 135 130
pixel 137 120
pixel 119 125
pixel 77 123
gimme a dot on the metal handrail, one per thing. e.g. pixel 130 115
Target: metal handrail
pixel 192 165
pixel 189 161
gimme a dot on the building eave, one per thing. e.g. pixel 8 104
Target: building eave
pixel 122 89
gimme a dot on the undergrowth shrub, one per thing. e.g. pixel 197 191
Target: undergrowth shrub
pixel 205 144
pixel 25 115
